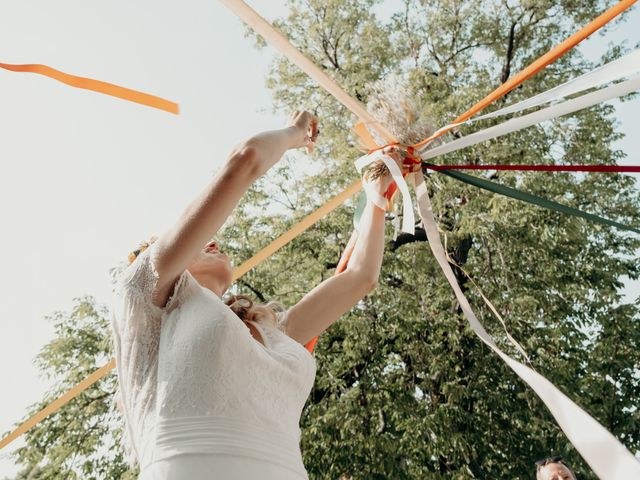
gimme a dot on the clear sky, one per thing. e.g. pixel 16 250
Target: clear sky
pixel 86 176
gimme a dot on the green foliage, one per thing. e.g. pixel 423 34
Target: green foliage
pixel 404 389
pixel 81 440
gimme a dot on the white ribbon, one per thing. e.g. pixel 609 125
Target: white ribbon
pixel 518 123
pixel 620 68
pixel 493 309
pixel 408 217
pixel 608 458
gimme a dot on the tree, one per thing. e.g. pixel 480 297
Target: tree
pixel 404 389
pixel 81 440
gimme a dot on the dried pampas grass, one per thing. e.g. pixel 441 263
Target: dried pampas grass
pixel 398 107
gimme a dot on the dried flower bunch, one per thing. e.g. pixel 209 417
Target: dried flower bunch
pixel 398 107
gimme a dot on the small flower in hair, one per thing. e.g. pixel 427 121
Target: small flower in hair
pixel 141 248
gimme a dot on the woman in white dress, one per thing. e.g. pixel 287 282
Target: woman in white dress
pixel 215 390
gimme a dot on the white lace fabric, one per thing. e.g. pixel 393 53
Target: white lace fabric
pixel 195 359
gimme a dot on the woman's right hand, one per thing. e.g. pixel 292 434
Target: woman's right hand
pixel 304 127
pixel 378 174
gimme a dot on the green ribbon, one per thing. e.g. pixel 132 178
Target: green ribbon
pixel 362 202
pixel 529 198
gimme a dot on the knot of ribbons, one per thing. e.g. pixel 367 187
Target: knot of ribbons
pixel 390 155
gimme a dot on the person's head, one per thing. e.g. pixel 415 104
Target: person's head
pixel 553 468
pixel 266 313
pixel 211 268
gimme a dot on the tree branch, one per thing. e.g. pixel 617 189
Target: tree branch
pixel 506 69
pixel 404 238
pixel 257 292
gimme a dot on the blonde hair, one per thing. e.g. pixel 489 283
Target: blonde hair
pixel 271 313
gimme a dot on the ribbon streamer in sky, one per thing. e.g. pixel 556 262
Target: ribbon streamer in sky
pixel 525 121
pixel 97 86
pixel 535 67
pixel 617 69
pixel 533 199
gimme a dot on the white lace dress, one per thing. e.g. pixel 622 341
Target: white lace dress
pixel 202 398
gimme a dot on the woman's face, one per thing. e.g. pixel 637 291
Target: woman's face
pixel 212 268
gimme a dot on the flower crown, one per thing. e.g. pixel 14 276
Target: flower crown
pixel 141 248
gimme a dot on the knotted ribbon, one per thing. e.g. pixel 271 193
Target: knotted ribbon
pixel 389 155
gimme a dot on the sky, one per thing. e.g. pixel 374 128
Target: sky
pixel 86 176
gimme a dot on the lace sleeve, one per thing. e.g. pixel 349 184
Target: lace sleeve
pixel 139 281
pixel 136 325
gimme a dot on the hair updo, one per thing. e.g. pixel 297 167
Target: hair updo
pixel 271 313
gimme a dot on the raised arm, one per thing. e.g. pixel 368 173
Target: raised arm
pixel 335 296
pixel 179 246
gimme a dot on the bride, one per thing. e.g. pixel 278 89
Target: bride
pixel 212 389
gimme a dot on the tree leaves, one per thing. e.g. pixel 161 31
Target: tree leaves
pixel 81 440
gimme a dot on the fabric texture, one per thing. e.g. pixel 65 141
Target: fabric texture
pixel 200 396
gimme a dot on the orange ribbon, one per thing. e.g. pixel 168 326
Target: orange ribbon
pixel 549 57
pixel 97 86
pixel 535 67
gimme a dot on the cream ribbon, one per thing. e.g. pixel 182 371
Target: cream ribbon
pixel 549 113
pixel 493 309
pixel 608 458
pixel 408 217
pixel 617 69
pixel 621 68
pixel 280 43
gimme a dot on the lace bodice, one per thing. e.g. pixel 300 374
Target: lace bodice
pixel 195 358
